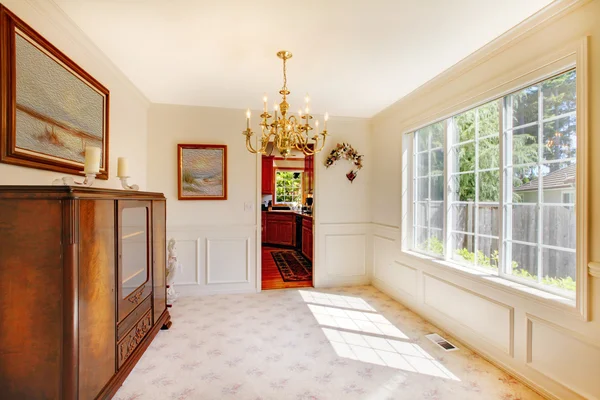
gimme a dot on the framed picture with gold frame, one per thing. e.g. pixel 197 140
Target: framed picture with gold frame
pixel 51 108
pixel 202 171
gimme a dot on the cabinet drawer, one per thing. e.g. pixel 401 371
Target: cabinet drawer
pixel 307 222
pixel 130 320
pixel 134 337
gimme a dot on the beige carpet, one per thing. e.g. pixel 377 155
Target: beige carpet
pixel 349 343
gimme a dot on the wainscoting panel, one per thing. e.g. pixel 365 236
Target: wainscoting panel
pixel 225 258
pixel 215 259
pixel 341 255
pixel 562 355
pixel 187 255
pixel 405 278
pixel 491 320
pixel 345 254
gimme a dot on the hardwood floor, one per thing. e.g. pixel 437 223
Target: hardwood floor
pixel 271 278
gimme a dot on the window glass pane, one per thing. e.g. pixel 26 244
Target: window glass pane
pixel 489 186
pixel 560 226
pixel 487 253
pixel 421 236
pixel 489 153
pixel 524 106
pixel 422 139
pixel 463 218
pixel 525 145
pixel 422 164
pixel 556 178
pixel 437 187
pixel 524 260
pixel 436 213
pixel 436 242
pixel 489 120
pixel 422 189
pixel 463 248
pixel 487 220
pixel 560 139
pixel 559 95
pixel 524 223
pixel 525 184
pixel 437 161
pixel 464 127
pixel 437 135
pixel 464 187
pixel 421 213
pixel 558 269
pixel 465 157
pixel 288 186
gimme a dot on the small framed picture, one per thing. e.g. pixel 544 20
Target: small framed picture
pixel 202 171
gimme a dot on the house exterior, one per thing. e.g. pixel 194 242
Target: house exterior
pixel 558 187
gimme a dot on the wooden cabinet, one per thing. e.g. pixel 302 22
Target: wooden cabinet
pixel 82 288
pixel 280 228
pixel 267 175
pixel 263 226
pixel 307 238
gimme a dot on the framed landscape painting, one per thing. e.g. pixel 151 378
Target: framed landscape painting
pixel 202 171
pixel 51 108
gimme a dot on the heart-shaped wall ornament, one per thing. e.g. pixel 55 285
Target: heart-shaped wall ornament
pixel 345 151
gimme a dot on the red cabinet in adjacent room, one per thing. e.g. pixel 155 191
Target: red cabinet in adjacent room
pixel 267 174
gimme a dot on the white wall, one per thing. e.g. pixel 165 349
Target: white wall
pixel 128 107
pixel 551 348
pixel 217 239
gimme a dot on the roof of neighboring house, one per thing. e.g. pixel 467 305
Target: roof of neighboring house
pixel 562 178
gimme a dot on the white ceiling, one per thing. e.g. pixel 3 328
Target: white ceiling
pixel 354 57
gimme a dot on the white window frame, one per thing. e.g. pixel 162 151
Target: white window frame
pixel 573 57
pixel 292 170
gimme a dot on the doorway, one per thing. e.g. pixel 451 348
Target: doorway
pixel 287 203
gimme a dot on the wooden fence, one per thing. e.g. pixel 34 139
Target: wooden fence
pixel 558 230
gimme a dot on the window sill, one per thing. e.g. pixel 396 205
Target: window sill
pixel 497 282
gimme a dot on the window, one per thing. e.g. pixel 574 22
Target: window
pixel 428 203
pixel 493 188
pixel 288 186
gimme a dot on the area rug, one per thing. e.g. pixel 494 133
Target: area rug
pixel 292 265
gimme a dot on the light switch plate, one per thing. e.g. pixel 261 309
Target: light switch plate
pixel 248 206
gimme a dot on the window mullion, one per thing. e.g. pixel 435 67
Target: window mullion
pixel 429 192
pixel 500 216
pixel 476 208
pixel 448 133
pixel 540 197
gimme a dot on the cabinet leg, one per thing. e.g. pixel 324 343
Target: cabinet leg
pixel 167 324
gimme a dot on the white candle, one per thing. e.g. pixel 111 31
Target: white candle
pixel 325 124
pixel 92 160
pixel 265 103
pixel 122 167
pixel 248 119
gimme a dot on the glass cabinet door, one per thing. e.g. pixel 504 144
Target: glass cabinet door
pixel 134 249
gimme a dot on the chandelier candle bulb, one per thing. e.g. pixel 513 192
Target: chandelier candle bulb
pixel 326 117
pixel 122 167
pixel 248 119
pixel 92 160
pixel 265 103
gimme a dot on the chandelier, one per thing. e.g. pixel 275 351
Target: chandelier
pixel 287 132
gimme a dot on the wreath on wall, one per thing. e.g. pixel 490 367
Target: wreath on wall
pixel 345 151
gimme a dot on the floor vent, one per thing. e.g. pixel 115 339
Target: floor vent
pixel 440 341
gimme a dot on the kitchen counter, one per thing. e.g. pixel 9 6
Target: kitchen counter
pixel 288 212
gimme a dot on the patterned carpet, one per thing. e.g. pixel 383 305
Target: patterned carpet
pixel 308 344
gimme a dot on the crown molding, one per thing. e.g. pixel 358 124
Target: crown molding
pixel 49 10
pixel 518 33
pixel 594 269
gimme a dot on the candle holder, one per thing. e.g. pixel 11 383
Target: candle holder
pixel 69 181
pixel 126 186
